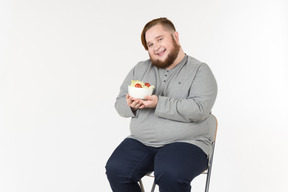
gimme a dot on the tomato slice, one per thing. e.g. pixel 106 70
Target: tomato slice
pixel 138 85
pixel 147 84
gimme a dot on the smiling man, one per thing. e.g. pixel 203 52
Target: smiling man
pixel 163 46
pixel 172 130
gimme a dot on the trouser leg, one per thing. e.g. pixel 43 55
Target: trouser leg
pixel 176 165
pixel 130 161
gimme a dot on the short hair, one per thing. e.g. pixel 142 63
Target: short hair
pixel 162 21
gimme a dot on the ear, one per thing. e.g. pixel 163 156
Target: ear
pixel 176 36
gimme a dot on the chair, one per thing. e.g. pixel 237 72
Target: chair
pixel 207 171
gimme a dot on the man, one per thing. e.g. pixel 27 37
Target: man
pixel 171 130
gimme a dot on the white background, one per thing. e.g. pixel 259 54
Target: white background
pixel 62 62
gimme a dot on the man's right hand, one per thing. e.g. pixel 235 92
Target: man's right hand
pixel 133 103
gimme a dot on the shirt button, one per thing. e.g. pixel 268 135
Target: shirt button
pixel 164 80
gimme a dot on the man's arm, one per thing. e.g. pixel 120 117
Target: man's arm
pixel 197 106
pixel 121 104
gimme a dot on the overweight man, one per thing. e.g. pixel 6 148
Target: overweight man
pixel 172 130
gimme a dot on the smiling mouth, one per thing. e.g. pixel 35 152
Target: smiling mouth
pixel 160 53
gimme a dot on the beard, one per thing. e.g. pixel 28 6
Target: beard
pixel 170 58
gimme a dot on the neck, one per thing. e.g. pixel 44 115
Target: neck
pixel 179 58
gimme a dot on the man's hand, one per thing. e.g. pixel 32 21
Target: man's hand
pixel 149 102
pixel 134 103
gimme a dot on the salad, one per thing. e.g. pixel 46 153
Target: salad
pixel 140 84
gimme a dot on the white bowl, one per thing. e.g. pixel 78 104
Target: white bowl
pixel 139 93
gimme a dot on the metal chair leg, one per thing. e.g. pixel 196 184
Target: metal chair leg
pixel 153 187
pixel 209 170
pixel 207 180
pixel 141 186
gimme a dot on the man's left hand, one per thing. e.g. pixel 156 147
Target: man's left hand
pixel 149 102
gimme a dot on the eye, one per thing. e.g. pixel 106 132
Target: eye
pixel 160 39
pixel 150 45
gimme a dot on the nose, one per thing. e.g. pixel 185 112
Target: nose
pixel 156 46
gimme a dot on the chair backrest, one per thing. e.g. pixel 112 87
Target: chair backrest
pixel 216 130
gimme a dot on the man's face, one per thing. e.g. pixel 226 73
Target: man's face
pixel 163 48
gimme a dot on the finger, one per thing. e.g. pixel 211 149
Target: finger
pixel 139 103
pixel 128 99
pixel 136 104
pixel 133 103
pixel 142 106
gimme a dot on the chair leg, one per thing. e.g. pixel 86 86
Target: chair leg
pixel 141 186
pixel 209 170
pixel 153 187
pixel 208 180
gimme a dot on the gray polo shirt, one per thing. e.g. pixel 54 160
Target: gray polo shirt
pixel 186 95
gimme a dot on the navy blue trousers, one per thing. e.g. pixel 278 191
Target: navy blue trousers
pixel 175 166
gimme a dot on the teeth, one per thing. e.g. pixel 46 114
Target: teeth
pixel 159 53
